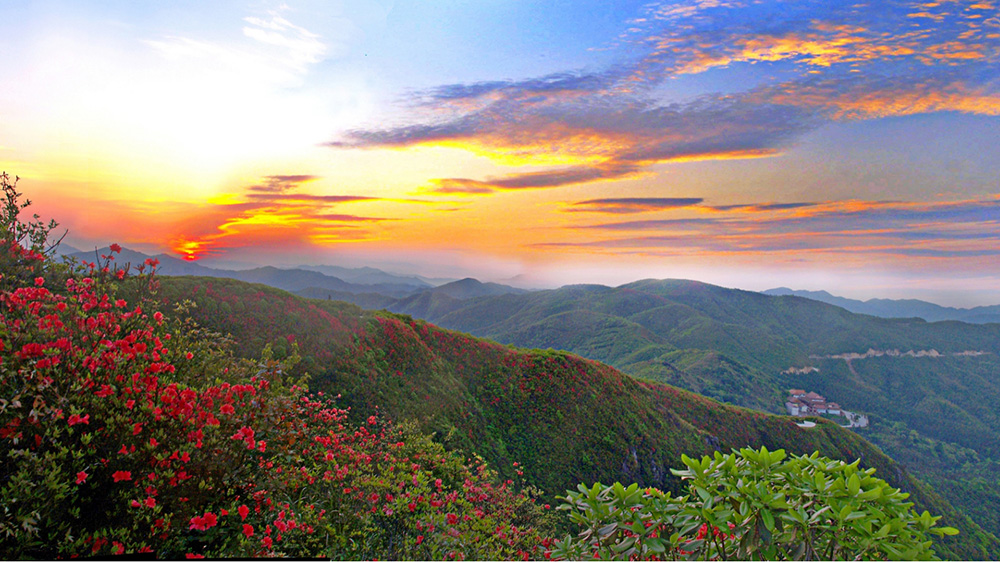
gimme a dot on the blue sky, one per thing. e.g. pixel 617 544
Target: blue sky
pixel 829 145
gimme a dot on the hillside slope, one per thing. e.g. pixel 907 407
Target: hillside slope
pixel 934 411
pixel 563 419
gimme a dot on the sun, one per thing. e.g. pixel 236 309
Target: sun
pixel 189 250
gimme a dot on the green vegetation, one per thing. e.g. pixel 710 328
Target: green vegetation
pixel 563 419
pixel 124 430
pixel 736 347
pixel 752 505
pixel 128 426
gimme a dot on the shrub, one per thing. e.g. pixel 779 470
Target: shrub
pixel 752 505
pixel 127 430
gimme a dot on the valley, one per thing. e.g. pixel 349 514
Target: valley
pixel 912 379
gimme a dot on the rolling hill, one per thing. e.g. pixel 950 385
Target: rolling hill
pixel 748 349
pixel 562 418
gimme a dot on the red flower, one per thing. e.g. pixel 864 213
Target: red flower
pixel 150 502
pixel 81 477
pixel 39 281
pixel 115 249
pixel 420 539
pixel 243 510
pixel 266 542
pixel 204 522
pixel 248 530
pixel 75 419
pixel 120 475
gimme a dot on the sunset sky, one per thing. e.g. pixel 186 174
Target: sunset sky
pixel 852 147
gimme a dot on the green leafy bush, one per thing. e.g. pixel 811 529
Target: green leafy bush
pixel 752 505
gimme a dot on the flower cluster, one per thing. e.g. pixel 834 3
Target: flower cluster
pixel 126 429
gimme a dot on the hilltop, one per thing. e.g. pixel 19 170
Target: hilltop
pixel 927 386
pixel 562 418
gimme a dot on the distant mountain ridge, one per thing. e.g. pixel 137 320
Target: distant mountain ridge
pixel 373 287
pixel 898 308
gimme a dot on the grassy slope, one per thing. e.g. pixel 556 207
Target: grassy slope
pixel 562 418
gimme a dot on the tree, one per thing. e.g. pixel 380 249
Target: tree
pixel 752 505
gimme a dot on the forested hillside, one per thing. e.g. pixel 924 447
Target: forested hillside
pixel 563 419
pixel 933 412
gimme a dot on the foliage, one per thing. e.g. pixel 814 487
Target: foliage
pixel 25 242
pixel 127 430
pixel 759 506
pixel 736 346
pixel 562 419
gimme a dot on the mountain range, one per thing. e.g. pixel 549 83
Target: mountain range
pixel 553 417
pixel 928 387
pixel 334 279
pixel 899 308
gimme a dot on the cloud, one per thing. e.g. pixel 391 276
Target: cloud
pixel 349 218
pixel 837 61
pixel 761 207
pixel 626 205
pixel 307 198
pixel 965 228
pixel 599 142
pixel 280 184
pixel 273 212
pixel 299 46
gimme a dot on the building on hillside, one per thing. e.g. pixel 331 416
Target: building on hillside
pixel 802 403
pixel 796 407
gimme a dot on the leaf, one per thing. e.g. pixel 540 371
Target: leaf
pixel 655 545
pixel 768 518
pixel 872 494
pixel 853 484
pixel 606 530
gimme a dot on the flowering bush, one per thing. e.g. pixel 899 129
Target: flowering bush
pixel 127 430
pixel 752 505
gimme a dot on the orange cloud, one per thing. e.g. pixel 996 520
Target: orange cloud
pixel 271 213
pixel 865 100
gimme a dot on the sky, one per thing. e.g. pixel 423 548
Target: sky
pixel 845 146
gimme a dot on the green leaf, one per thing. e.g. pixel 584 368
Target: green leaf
pixel 768 518
pixel 853 484
pixel 655 545
pixel 872 494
